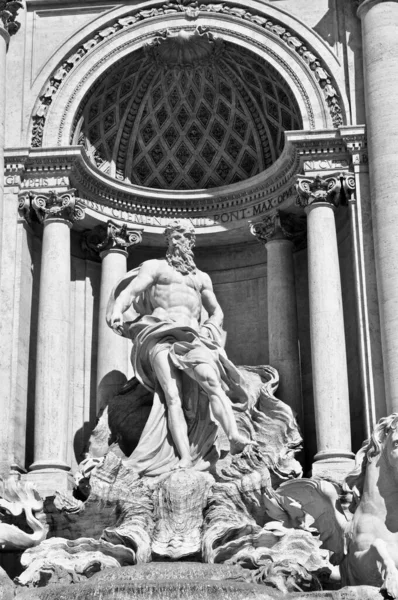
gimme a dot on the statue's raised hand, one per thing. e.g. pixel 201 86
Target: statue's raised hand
pixel 116 322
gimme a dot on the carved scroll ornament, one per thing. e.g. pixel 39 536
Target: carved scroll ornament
pixel 333 190
pixel 112 237
pixel 51 205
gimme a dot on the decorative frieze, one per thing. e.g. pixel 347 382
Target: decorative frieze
pixel 110 237
pixel 53 205
pixel 8 15
pixel 333 190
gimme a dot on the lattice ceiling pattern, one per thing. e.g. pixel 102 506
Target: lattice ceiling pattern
pixel 187 128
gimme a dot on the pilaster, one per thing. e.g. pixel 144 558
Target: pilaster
pixel 379 21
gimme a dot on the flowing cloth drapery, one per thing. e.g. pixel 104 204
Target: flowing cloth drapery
pixel 155 453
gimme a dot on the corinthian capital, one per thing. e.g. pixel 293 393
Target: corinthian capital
pixel 110 237
pixel 270 227
pixel 281 226
pixel 8 15
pixel 333 190
pixel 54 205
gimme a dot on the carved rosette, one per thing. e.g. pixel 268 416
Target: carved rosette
pixel 333 190
pixel 54 205
pixel 8 14
pixel 110 237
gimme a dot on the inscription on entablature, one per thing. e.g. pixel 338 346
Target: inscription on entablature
pixel 220 218
pixel 44 182
pixel 325 165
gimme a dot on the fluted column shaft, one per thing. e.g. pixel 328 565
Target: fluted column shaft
pixel 4 39
pixel 282 309
pixel 113 243
pixel 50 469
pixel 112 361
pixel 328 349
pixel 53 351
pixel 282 321
pixel 380 59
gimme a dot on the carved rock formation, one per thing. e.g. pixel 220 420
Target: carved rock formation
pixel 180 500
pixel 65 561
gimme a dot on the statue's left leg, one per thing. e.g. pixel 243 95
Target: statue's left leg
pixel 220 404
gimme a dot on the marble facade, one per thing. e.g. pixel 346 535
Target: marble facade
pixel 112 123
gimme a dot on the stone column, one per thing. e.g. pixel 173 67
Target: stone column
pixel 50 470
pixel 328 350
pixel 113 244
pixel 282 309
pixel 380 60
pixel 8 26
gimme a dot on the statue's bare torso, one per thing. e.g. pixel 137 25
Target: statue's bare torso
pixel 175 296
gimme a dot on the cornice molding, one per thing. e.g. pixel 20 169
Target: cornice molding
pixel 325 153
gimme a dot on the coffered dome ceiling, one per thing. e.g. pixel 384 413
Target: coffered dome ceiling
pixel 189 112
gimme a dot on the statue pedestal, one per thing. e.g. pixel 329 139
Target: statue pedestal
pixel 336 468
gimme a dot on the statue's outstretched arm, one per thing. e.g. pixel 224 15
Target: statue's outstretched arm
pixel 145 278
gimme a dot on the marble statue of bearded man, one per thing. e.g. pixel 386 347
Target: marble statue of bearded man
pixel 181 360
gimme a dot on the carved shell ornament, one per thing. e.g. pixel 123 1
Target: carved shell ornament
pixel 185 48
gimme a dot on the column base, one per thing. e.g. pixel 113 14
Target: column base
pixel 49 481
pixel 334 467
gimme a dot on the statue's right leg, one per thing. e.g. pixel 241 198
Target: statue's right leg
pixel 169 378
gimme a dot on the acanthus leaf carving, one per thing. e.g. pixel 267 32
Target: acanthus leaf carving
pixel 110 237
pixel 54 205
pixel 333 190
pixel 281 225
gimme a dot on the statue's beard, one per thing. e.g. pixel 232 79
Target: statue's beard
pixel 181 258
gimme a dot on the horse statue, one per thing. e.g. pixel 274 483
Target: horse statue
pixel 366 547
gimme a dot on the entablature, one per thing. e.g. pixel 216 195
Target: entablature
pixel 216 213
